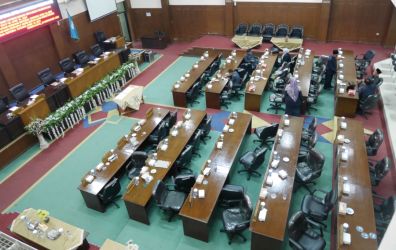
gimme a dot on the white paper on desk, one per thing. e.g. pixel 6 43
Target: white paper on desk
pixel 343 125
pixel 282 174
pixel 54 84
pixel 100 166
pixel 92 62
pixel 263 193
pixel 346 239
pixel 262 214
pixel 344 156
pixel 231 121
pixel 342 206
pixel 33 96
pixel 346 189
pixel 164 147
pixel 206 171
pixel 30 102
pixel 201 193
pixel 219 145
pixel 274 163
pixel 161 164
pixel 174 133
pixel 151 163
pixel 89 178
pixel 12 109
pixel 63 79
pixel 226 127
pixel 269 181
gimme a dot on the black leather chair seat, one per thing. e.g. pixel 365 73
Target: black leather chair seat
pixel 247 158
pixel 304 172
pixel 307 243
pixel 232 217
pixel 312 206
pixel 174 200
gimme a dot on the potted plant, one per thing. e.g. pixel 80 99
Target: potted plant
pixel 37 127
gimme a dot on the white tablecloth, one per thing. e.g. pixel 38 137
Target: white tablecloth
pixel 130 97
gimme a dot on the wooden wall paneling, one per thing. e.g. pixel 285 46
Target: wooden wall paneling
pixel 66 46
pixel 4 87
pixel 166 17
pixel 324 19
pixel 390 39
pixel 229 19
pixel 29 54
pixel 7 71
pixel 146 25
pixel 305 14
pixel 191 22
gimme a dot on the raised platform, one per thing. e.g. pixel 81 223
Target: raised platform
pixel 16 148
pixel 388 94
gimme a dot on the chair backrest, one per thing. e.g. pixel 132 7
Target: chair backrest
pixel 282 30
pixel 297 31
pixel 172 119
pixel 269 131
pixel 110 191
pixel 162 131
pixel 231 195
pixel 379 83
pixel 66 65
pixel 96 50
pixel 19 92
pixel 138 159
pixel 315 161
pixel 196 140
pixel 256 28
pixel 329 200
pixel 388 208
pixel 369 55
pixel 46 77
pixel 259 156
pixel 369 103
pixel 160 192
pixel 81 58
pixel 241 29
pixel 312 125
pixel 297 225
pixel 184 182
pixel 185 156
pixel 382 168
pixel 100 36
pixel 207 126
pixel 375 140
pixel 268 29
pixel 196 89
pixel 3 104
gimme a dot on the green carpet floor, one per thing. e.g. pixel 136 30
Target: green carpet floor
pixel 57 192
pixel 13 166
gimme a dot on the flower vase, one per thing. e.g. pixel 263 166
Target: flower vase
pixel 43 143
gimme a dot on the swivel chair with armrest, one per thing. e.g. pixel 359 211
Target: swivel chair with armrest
pixel 374 142
pixel 252 160
pixel 303 233
pixel 67 65
pixel 379 171
pixel 309 169
pixel 184 160
pixel 282 30
pixel 135 164
pixel 46 77
pixel 266 133
pixel 96 50
pixel 241 29
pixel 109 194
pixel 81 58
pixel 168 200
pixel 297 31
pixel 19 92
pixel 158 135
pixel 268 32
pixel 255 29
pixel 318 208
pixel 367 104
pixel 384 208
pixel 183 183
pixel 236 218
pixel 205 129
pixel 196 142
pixel 171 120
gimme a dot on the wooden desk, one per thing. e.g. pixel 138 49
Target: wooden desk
pixel 271 233
pixel 90 191
pixel 346 105
pixel 92 74
pixel 38 109
pixel 291 43
pixel 57 96
pixel 213 94
pixel 253 98
pixel 179 94
pixel 71 238
pixel 137 198
pixel 360 199
pixel 304 73
pixel 197 214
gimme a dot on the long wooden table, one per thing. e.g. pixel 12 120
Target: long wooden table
pixel 92 74
pixel 346 105
pixel 360 199
pixel 253 98
pixel 72 237
pixel 213 94
pixel 304 73
pixel 179 94
pixel 270 233
pixel 137 197
pixel 197 213
pixel 90 191
pixel 37 109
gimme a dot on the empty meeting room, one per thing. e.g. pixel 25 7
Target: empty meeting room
pixel 197 124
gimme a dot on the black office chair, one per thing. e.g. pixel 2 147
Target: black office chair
pixel 195 142
pixel 308 144
pixel 379 171
pixel 109 194
pixel 96 50
pixel 184 160
pixel 255 29
pixel 225 97
pixel 268 32
pixel 384 209
pixel 81 58
pixel 307 132
pixel 19 92
pixel 183 183
pixel 363 61
pixel 309 169
pixel 367 104
pixel 265 134
pixel 135 164
pixel 276 102
pixel 205 129
pixel 297 31
pixel 158 135
pixel 171 120
pixel 282 30
pixel 192 94
pixel 100 37
pixel 303 233
pixel 236 89
pixel 241 29
pixel 318 208
pixel 252 160
pixel 374 142
pixel 46 77
pixel 67 65
pixel 3 104
pixel 169 201
pixel 236 218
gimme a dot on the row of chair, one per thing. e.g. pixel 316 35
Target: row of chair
pixel 269 30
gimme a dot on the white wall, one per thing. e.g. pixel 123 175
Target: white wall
pixel 196 2
pixel 73 6
pixel 146 4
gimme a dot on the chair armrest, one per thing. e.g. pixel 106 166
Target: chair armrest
pixel 242 225
pixel 295 244
pixel 315 224
pixel 376 196
pixel 319 191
